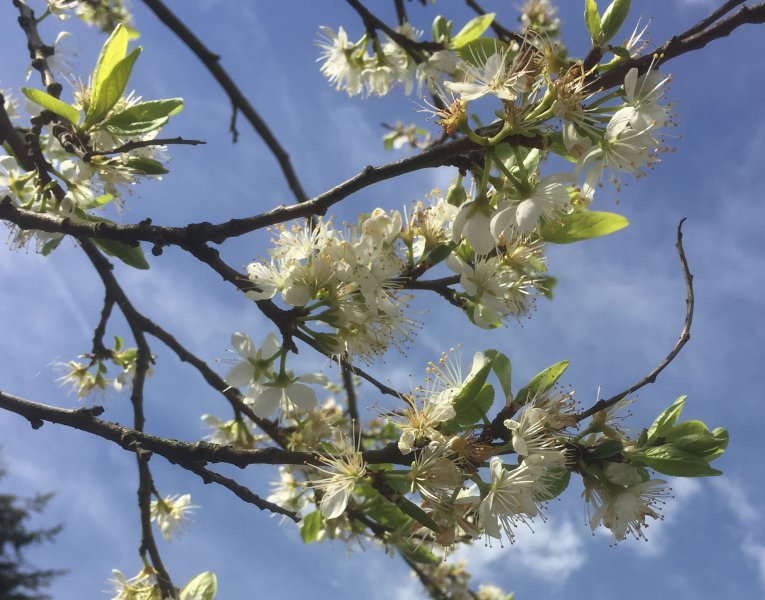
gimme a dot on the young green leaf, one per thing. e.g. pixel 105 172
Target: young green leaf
pixel 418 553
pixel 105 96
pixel 310 527
pixel 53 104
pixel 541 382
pixel 581 225
pixel 477 51
pixel 502 368
pixel 670 460
pixel 664 422
pixel 472 30
pixel 143 117
pixel 145 166
pixel 472 409
pixel 113 51
pixel 613 18
pixel 202 587
pixel 414 511
pixel 592 20
pixel 130 255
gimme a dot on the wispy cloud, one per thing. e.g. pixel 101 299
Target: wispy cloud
pixel 551 552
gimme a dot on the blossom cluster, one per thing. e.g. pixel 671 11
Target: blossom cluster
pixel 350 66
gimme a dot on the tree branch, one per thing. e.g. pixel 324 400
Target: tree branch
pixel 241 491
pixel 685 335
pixel 238 99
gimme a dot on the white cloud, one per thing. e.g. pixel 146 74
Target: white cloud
pixel 682 492
pixel 551 552
pixel 735 497
pixel 756 552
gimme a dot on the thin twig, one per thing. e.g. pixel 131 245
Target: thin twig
pixel 241 491
pixel 717 14
pixel 98 334
pixel 127 147
pixel 685 335
pixel 238 99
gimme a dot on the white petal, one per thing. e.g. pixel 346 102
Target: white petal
pixel 301 395
pixel 242 344
pixel 240 375
pixel 334 502
pixel 265 403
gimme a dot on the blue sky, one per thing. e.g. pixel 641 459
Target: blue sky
pixel 618 309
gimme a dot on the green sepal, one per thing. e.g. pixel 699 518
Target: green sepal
pixel 613 19
pixel 106 95
pixel 581 225
pixel 53 104
pixel 143 117
pixel 503 369
pixel 145 166
pixel 202 587
pixel 472 30
pixel 130 255
pixel 310 527
pixel 593 22
pixel 541 382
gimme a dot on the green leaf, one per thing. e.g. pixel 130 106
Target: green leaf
pixel 310 527
pixel 606 449
pixel 202 587
pixel 695 438
pixel 664 422
pixel 592 20
pixel 541 382
pixel 620 51
pixel 546 284
pixel 442 29
pixel 130 255
pixel 105 96
pixel 555 483
pixel 419 515
pixel 472 30
pixel 50 246
pixel 145 166
pixel 465 400
pixel 670 460
pixel 439 253
pixel 477 51
pixel 113 51
pixel 53 104
pixel 503 369
pixel 581 225
pixel 613 18
pixel 419 554
pixel 143 117
pixel 472 409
